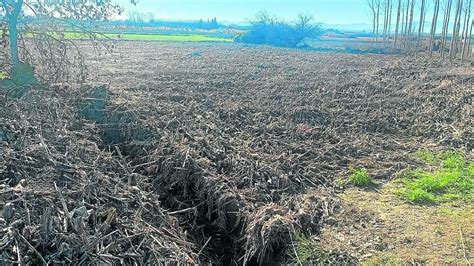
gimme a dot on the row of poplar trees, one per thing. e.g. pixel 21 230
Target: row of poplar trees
pixel 449 35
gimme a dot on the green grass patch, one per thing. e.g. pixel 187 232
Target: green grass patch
pixel 305 248
pixel 151 37
pixel 452 179
pixel 309 253
pixel 470 169
pixel 385 260
pixel 141 37
pixel 360 177
pixel 452 160
pixel 447 159
pixel 427 156
pixel 3 75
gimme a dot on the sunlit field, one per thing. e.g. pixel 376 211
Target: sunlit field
pixel 151 37
pixel 198 133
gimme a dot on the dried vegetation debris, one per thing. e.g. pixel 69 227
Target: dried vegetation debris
pixel 65 200
pixel 221 160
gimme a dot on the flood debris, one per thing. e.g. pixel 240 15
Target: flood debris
pixel 215 170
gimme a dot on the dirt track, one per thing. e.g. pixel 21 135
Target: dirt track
pixel 242 144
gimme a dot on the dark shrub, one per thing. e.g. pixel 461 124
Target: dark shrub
pixel 271 31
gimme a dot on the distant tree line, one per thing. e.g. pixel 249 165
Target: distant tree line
pixel 210 24
pixel 266 29
pixel 142 18
pixel 452 39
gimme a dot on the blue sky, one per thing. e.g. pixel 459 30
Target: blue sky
pixel 325 11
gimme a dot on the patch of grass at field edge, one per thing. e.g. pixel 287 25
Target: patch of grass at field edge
pixel 452 180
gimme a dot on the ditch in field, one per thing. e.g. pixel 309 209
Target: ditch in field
pixel 213 219
pixel 217 218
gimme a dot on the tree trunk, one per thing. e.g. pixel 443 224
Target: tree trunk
pixel 420 27
pixel 389 19
pixel 469 49
pixel 398 22
pixel 384 20
pixel 444 35
pixel 407 21
pixel 433 27
pixel 371 4
pixel 403 25
pixel 12 12
pixel 467 18
pixel 378 20
pixel 12 25
pixel 374 21
pixel 410 24
pixel 457 25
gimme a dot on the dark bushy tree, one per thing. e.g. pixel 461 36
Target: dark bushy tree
pixel 269 30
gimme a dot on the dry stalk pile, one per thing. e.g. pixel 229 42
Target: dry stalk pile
pixel 65 200
pixel 221 158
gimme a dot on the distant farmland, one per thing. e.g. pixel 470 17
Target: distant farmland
pixel 153 37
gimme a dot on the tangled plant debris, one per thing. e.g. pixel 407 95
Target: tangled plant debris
pixel 68 201
pixel 210 159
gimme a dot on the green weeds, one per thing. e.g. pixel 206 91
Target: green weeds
pixel 305 248
pixel 384 259
pixel 360 178
pixel 3 75
pixel 310 253
pixel 451 179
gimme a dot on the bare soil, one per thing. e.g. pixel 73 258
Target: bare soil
pixel 222 152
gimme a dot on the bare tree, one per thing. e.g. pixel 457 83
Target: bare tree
pixel 378 3
pixel 447 16
pixel 12 11
pixel 421 24
pixel 51 16
pixel 465 35
pixel 434 23
pixel 150 17
pixel 407 19
pixel 373 8
pixel 136 16
pixel 403 24
pixel 267 29
pixel 397 27
pixel 386 6
pixel 390 17
pixel 412 35
pixel 457 25
pixel 305 28
pixel 410 22
pixel 469 51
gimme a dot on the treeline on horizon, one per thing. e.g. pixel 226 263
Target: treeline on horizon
pixel 148 19
pixel 201 24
